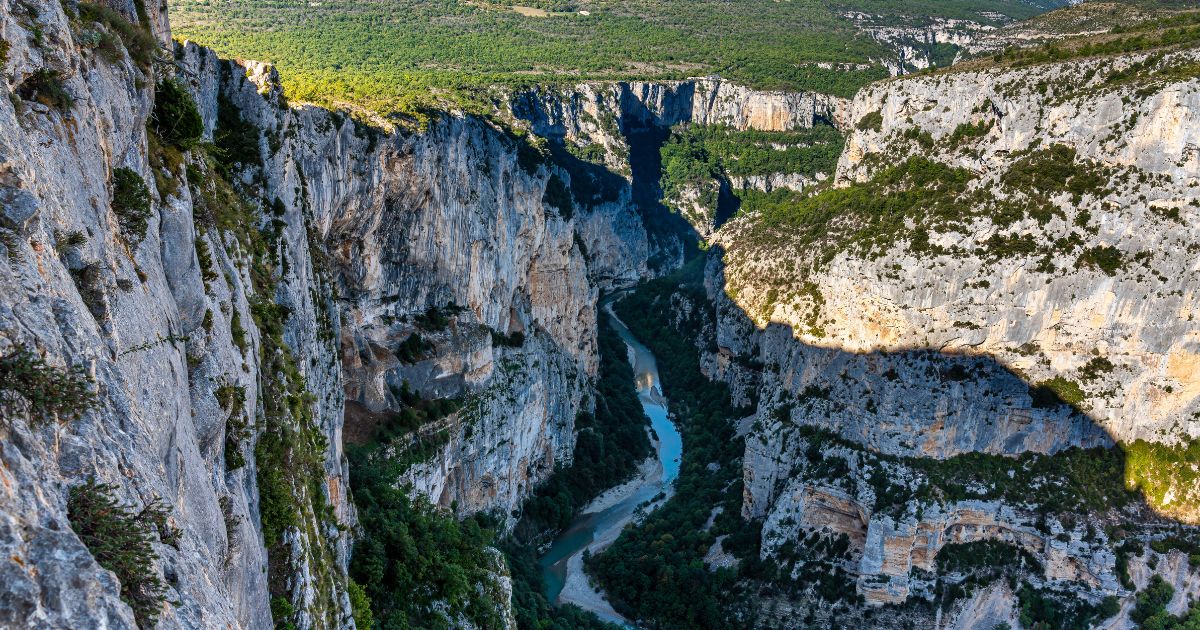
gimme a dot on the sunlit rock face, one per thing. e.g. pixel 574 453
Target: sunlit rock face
pixel 373 229
pixel 948 349
pixel 1008 319
pixel 153 323
pixel 599 111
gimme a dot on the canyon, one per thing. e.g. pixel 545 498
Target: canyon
pixel 302 276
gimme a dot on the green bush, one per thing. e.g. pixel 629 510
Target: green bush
pixel 514 340
pixel 530 154
pixel 204 257
pixel 65 242
pixel 871 120
pixel 137 40
pixel 1160 470
pixel 413 349
pixel 1153 600
pixel 176 119
pixel 360 604
pixel 969 130
pixel 131 204
pixel 1056 391
pixel 121 541
pixel 237 141
pixel 48 391
pixel 45 86
pixel 437 317
pixel 1042 609
pixel 1106 258
pixel 232 399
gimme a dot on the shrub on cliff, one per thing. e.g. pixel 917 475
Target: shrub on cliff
pixel 26 379
pixel 360 604
pixel 871 120
pixel 1056 391
pixel 238 141
pixel 131 204
pixel 121 541
pixel 45 86
pixel 1106 258
pixel 137 40
pixel 1153 600
pixel 176 119
pixel 1164 473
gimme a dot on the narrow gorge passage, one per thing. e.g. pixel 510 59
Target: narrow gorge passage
pixel 601 522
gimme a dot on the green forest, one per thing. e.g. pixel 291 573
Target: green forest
pixel 408 55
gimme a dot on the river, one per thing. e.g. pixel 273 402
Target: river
pixel 602 521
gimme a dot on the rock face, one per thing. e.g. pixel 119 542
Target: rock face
pixel 1008 317
pixel 372 232
pixel 450 220
pixel 161 338
pixel 593 110
pixel 935 352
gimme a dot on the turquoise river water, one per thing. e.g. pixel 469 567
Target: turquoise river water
pixel 605 524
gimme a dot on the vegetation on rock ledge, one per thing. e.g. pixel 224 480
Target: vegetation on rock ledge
pixel 121 540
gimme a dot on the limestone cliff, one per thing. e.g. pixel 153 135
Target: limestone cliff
pixel 237 313
pixel 163 325
pixel 1041 302
pixel 448 220
pixel 1003 314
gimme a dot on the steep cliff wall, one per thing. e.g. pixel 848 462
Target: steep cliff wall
pixel 220 337
pixel 592 111
pixel 449 220
pixel 1022 294
pixel 163 325
pixel 1017 276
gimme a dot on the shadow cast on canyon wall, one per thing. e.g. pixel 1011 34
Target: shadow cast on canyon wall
pixel 920 401
pixel 667 230
pixel 913 401
pixel 974 401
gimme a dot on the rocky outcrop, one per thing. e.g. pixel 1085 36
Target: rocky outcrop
pixel 167 337
pixel 934 352
pixel 599 111
pixel 775 181
pixel 1009 321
